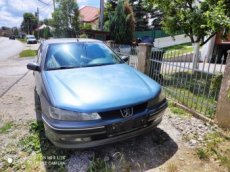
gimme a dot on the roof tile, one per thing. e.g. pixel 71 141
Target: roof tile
pixel 89 14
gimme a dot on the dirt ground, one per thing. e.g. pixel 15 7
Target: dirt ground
pixel 21 149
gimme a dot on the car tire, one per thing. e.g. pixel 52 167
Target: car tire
pixel 37 104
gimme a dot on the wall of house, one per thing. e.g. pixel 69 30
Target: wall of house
pixel 215 47
pixel 207 50
pixel 169 41
pixel 95 24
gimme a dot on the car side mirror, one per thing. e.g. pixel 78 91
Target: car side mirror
pixel 125 58
pixel 33 66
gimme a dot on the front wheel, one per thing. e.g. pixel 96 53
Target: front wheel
pixel 37 104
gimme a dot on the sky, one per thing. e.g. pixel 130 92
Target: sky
pixel 11 11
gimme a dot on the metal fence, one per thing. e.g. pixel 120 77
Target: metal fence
pixel 197 89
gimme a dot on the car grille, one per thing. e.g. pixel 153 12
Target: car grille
pixel 117 114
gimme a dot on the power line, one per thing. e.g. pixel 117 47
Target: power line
pixel 48 3
pixel 43 2
pixel 44 6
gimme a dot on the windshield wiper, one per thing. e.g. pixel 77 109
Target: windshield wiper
pixel 64 67
pixel 99 64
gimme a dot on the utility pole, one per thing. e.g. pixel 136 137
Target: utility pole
pixel 37 13
pixel 101 15
pixel 54 4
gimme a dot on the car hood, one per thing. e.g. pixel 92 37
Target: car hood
pixel 96 89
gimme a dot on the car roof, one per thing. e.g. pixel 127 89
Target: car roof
pixel 68 40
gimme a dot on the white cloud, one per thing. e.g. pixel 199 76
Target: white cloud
pixel 2 2
pixel 11 11
pixel 22 5
pixel 7 19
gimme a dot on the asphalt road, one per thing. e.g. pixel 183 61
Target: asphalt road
pixel 12 68
pixel 9 48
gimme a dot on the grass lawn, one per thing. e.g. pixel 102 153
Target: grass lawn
pixel 22 40
pixel 199 103
pixel 178 49
pixel 27 53
pixel 217 148
pixel 198 91
pixel 6 127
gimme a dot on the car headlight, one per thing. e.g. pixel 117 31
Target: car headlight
pixel 157 100
pixel 66 115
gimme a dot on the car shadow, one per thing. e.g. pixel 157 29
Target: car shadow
pixel 140 153
pixel 136 154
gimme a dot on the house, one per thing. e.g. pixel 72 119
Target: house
pixel 90 15
pixel 96 34
pixel 216 47
pixel 43 26
pixel 4 31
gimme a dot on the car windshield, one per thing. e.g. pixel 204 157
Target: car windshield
pixel 75 55
pixel 30 37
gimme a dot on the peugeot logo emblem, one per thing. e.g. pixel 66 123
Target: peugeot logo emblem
pixel 126 112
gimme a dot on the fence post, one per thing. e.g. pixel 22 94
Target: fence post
pixel 223 106
pixel 143 55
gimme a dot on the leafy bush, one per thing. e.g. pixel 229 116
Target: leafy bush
pixel 86 26
pixel 83 35
pixel 216 84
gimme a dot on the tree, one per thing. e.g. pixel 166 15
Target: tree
pixel 45 33
pixel 227 3
pixel 154 14
pixel 140 13
pixel 66 19
pixel 122 24
pixel 15 31
pixel 199 20
pixel 29 23
pixel 108 12
pixel 86 26
pixel 47 22
pixel 143 11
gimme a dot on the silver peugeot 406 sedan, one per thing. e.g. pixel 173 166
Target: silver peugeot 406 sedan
pixel 89 96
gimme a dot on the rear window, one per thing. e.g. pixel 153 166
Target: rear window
pixel 31 37
pixel 75 55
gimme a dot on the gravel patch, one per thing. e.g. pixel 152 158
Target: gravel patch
pixel 79 161
pixel 193 130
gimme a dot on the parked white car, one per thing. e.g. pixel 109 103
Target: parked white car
pixel 31 39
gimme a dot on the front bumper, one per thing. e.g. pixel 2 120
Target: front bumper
pixel 65 134
pixel 31 42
